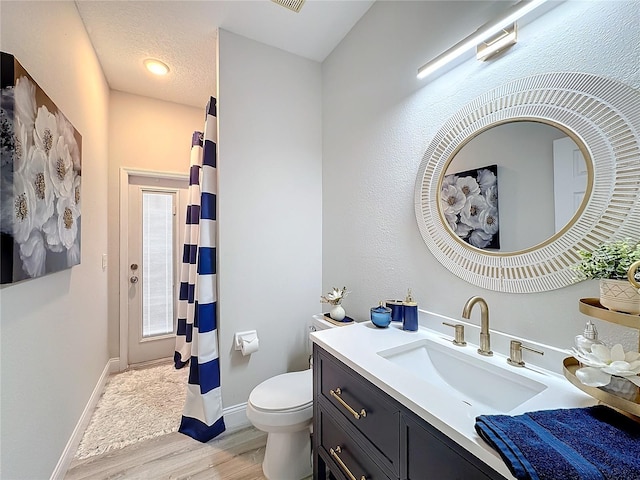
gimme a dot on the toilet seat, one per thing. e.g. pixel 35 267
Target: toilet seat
pixel 285 393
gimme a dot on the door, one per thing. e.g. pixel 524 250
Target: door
pixel 570 177
pixel 157 209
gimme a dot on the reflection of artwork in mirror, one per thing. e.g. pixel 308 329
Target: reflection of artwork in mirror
pixel 541 185
pixel 470 205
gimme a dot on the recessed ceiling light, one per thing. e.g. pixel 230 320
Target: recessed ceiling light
pixel 156 66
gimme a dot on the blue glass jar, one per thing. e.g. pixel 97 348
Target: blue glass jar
pixel 381 316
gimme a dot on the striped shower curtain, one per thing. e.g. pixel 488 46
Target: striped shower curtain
pixel 196 337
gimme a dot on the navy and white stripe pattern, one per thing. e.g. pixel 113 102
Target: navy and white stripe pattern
pixel 197 338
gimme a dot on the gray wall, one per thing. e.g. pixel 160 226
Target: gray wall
pixel 54 328
pixel 378 120
pixel 269 221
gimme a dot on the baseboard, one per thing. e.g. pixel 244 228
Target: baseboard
pixel 112 366
pixel 235 417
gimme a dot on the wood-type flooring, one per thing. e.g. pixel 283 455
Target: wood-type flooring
pixel 235 456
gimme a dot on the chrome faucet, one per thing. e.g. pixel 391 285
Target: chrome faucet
pixel 485 340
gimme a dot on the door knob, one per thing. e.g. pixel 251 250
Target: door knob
pixel 133 279
pixel 134 266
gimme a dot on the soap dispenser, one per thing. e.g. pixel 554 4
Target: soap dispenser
pixel 588 338
pixel 410 307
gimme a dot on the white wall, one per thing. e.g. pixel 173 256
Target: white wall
pixel 145 134
pixel 269 214
pixel 54 328
pixel 378 120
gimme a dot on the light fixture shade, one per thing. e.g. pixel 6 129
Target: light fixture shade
pixel 486 31
pixel 156 66
pixel 498 43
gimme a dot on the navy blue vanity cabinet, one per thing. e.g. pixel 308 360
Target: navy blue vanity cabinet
pixel 430 454
pixel 367 416
pixel 360 432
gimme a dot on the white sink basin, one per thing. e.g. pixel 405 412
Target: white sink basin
pixel 477 381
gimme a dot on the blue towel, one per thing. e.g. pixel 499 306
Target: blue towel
pixel 594 443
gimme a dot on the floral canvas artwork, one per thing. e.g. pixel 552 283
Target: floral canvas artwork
pixel 469 202
pixel 40 176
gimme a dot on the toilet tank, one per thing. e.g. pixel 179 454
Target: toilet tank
pixel 319 323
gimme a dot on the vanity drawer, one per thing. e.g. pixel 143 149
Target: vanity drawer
pixel 351 395
pixel 345 455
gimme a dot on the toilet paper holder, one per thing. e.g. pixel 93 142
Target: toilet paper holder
pixel 247 336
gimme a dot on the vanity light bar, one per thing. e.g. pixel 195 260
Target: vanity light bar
pixel 484 32
pixel 497 44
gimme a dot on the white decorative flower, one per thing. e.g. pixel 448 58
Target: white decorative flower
pixel 479 238
pixel 449 180
pixel 67 132
pixel 37 174
pixel 603 362
pixel 21 146
pixel 25 103
pixel 33 254
pixel 452 200
pixel 452 220
pixel 24 204
pixel 73 255
pixel 335 296
pixel 491 196
pixel 67 221
pixel 462 230
pixel 486 179
pixel 46 130
pixel 468 186
pixel 470 213
pixel 61 169
pixel 76 191
pixel 489 220
pixel 52 235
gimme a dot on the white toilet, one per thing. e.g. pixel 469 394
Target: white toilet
pixel 282 406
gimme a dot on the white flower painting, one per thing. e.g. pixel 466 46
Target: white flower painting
pixel 469 202
pixel 40 180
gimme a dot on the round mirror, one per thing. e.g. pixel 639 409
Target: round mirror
pixel 514 186
pixel 602 116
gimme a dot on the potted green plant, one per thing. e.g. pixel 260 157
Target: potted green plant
pixel 611 264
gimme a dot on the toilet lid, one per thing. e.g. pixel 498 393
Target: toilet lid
pixel 289 391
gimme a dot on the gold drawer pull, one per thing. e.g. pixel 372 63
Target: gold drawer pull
pixel 336 394
pixel 334 454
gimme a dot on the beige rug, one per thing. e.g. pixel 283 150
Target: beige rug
pixel 136 405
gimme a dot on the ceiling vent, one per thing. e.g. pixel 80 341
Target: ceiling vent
pixel 294 5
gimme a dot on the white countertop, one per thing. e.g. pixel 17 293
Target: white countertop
pixel 358 345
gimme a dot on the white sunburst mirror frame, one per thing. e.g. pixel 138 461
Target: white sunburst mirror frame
pixel 603 116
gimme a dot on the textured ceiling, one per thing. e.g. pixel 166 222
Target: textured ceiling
pixel 183 34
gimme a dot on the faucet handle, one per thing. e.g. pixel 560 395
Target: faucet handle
pixel 459 333
pixel 515 353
